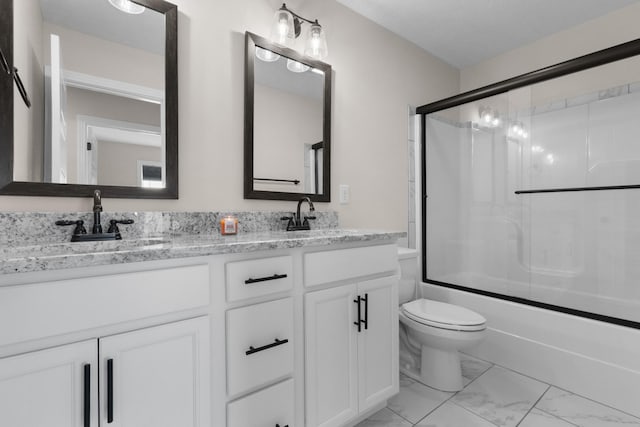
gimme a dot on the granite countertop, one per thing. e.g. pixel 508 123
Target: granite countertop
pixel 22 259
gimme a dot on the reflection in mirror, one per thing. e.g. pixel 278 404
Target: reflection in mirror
pixel 95 74
pixel 287 119
pixel 288 143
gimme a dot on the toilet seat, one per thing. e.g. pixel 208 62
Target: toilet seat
pixel 442 315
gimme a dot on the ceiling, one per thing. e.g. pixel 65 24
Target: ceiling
pixel 465 32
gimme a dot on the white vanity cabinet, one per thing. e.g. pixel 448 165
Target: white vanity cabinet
pixel 155 376
pixel 260 341
pixel 248 339
pixel 117 346
pixel 53 387
pixel 351 336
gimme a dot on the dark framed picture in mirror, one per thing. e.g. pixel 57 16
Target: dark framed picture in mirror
pixel 89 98
pixel 287 123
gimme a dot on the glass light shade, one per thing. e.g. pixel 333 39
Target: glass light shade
pixel 296 67
pixel 127 6
pixel 266 55
pixel 316 44
pixel 282 31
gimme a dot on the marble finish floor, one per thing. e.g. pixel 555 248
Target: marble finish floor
pixel 494 396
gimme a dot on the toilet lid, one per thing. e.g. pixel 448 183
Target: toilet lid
pixel 443 315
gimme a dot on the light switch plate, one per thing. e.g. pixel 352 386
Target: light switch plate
pixel 344 194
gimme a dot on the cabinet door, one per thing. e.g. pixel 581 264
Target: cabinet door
pixel 330 342
pixel 378 342
pixel 156 377
pixel 56 387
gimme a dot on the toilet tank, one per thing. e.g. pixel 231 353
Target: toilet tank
pixel 408 260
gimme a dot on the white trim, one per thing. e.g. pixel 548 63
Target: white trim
pixel 112 87
pixel 86 126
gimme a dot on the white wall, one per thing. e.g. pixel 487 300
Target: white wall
pixel 283 123
pixel 376 75
pixel 104 106
pixel 29 59
pixel 614 28
pixel 595 359
pixel 84 53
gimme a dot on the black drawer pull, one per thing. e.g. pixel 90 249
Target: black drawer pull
pixel 109 390
pixel 265 279
pixel 359 322
pixel 366 311
pixel 276 343
pixel 87 396
pixel 278 425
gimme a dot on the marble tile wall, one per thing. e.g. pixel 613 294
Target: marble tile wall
pixel 412 142
pixel 35 228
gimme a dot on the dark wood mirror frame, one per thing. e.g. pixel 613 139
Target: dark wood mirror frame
pixel 251 41
pixel 18 188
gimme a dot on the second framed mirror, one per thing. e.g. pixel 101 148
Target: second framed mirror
pixel 287 123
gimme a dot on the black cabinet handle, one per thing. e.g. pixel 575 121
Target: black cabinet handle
pixel 276 343
pixel 359 322
pixel 109 390
pixel 278 425
pixel 265 279
pixel 87 396
pixel 366 311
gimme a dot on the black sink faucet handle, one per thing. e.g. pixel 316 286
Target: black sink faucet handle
pixel 78 223
pixel 113 224
pixel 306 220
pixel 290 220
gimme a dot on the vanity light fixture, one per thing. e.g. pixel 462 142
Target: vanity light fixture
pixel 287 26
pixel 127 6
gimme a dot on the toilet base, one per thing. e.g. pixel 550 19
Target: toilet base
pixel 440 369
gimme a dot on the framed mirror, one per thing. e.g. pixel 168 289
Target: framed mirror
pixel 287 127
pixel 89 98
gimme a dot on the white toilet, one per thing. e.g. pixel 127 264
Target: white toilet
pixel 432 332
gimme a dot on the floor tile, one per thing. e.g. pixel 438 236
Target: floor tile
pixel 472 368
pixel 501 396
pixel 583 412
pixel 538 418
pixel 384 418
pixel 452 415
pixel 416 400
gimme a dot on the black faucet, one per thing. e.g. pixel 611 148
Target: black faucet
pixel 97 208
pixel 80 233
pixel 295 221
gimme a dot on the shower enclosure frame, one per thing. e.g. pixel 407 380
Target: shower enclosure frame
pixel 581 63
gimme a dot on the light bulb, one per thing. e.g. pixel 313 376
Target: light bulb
pixel 282 30
pixel 127 6
pixel 296 67
pixel 266 55
pixel 316 45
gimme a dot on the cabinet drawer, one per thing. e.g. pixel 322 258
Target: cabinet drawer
pixel 268 407
pixel 254 330
pixel 344 264
pixel 257 277
pixel 46 309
